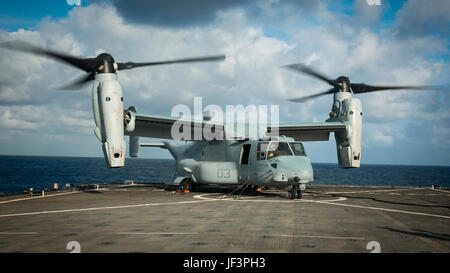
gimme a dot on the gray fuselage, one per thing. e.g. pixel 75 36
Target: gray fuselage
pixel 280 163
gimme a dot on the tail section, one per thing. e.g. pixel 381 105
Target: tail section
pixel 135 144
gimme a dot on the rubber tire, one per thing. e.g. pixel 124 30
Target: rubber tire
pixel 299 194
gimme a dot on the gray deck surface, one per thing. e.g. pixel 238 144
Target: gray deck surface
pixel 146 218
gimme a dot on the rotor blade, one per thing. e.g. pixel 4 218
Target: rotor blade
pixel 130 65
pixel 304 69
pixel 303 99
pixel 80 82
pixel 364 88
pixel 86 64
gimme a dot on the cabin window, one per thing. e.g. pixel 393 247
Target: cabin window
pixel 278 149
pixel 297 148
pixel 108 98
pixel 262 150
pixel 245 154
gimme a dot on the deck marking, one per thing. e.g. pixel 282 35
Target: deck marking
pixel 447 192
pixel 329 202
pixel 384 209
pixel 18 233
pixel 372 191
pixel 193 233
pixel 157 233
pixel 221 198
pixel 103 208
pixel 37 197
pixel 322 237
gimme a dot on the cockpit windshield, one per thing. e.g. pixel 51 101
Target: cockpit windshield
pixel 278 149
pixel 270 150
pixel 297 148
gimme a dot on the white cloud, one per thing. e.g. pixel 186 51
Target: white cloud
pixel 383 135
pixel 8 121
pixel 383 140
pixel 440 137
pixel 417 17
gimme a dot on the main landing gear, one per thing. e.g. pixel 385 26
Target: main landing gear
pixel 187 185
pixel 295 192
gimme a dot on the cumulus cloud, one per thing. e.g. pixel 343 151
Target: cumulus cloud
pixel 8 121
pixel 419 18
pixel 440 137
pixel 383 135
pixel 367 15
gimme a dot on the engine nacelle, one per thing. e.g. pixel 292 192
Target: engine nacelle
pixel 348 144
pixel 130 119
pixel 107 102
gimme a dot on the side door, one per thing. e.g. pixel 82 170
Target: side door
pixel 245 163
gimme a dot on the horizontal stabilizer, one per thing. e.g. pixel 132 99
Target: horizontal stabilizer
pixel 156 144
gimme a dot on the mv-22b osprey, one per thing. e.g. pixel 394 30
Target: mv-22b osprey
pixel 268 162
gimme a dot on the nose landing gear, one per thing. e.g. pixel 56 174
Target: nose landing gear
pixel 296 192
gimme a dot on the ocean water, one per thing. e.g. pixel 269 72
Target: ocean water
pixel 18 173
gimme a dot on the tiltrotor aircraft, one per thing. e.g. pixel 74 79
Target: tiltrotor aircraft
pixel 271 161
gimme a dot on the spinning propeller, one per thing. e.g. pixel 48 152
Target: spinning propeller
pixel 103 63
pixel 342 84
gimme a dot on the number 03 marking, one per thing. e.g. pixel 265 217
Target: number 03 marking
pixel 223 173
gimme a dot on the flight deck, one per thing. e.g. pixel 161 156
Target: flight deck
pixel 217 219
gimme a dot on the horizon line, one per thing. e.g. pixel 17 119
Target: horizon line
pixel 159 158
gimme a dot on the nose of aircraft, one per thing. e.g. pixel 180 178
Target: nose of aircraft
pixel 295 169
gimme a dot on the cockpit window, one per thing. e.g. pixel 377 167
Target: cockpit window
pixel 297 148
pixel 278 149
pixel 274 149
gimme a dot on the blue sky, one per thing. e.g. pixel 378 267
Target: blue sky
pixel 28 14
pixel 399 42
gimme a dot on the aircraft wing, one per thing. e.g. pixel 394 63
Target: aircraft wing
pixel 319 131
pixel 161 127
